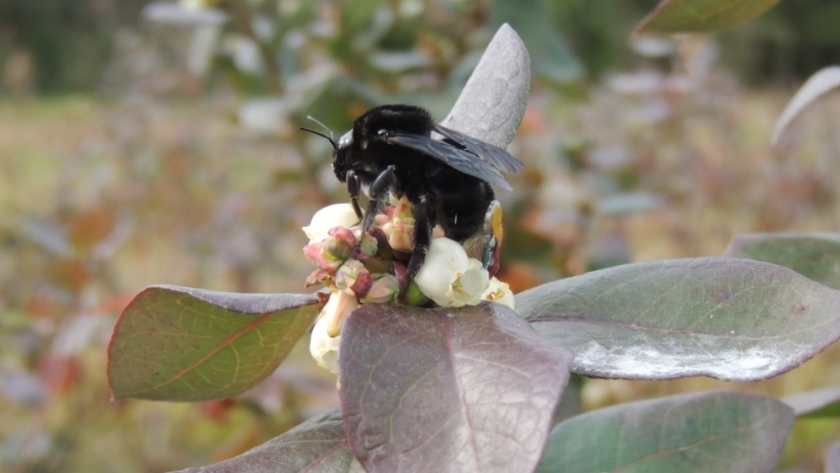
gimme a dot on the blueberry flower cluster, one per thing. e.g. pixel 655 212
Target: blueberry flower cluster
pixel 360 268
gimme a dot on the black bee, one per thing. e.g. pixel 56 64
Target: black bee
pixel 448 178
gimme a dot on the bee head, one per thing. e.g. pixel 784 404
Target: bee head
pixel 341 149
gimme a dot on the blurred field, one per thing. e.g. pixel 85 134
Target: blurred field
pixel 100 199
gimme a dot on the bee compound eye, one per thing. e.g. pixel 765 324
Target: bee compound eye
pixel 346 139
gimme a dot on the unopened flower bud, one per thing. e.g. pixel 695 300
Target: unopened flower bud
pixel 402 210
pixel 368 247
pixel 312 252
pixel 400 234
pixel 340 243
pixel 399 227
pixel 414 296
pixel 381 219
pixel 353 278
pixel 333 251
pixel 385 288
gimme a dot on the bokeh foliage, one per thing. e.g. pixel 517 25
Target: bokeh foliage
pixel 71 42
pixel 102 198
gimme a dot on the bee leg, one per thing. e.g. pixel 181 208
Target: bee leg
pixel 378 191
pixel 422 237
pixel 353 191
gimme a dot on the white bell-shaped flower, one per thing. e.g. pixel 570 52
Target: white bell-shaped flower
pixel 331 216
pixel 500 292
pixel 326 335
pixel 451 278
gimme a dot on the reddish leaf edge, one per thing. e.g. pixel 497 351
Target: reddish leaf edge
pixel 300 300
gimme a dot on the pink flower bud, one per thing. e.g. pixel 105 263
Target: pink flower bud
pixel 400 235
pixel 368 247
pixel 403 211
pixel 312 252
pixel 381 219
pixel 333 251
pixel 340 243
pixel 353 278
pixel 385 288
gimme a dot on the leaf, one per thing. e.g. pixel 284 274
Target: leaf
pixel 183 344
pixel 712 432
pixel 317 445
pixel 813 255
pixel 822 82
pixel 731 319
pixel 463 390
pixel 684 16
pixel 819 403
pixel 493 102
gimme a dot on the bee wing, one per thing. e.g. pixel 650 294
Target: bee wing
pixel 493 155
pixel 460 159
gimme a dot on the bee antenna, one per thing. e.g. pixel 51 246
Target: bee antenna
pixel 330 138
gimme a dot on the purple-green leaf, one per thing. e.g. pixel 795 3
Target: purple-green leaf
pixel 462 390
pixel 183 344
pixel 731 319
pixel 813 255
pixel 819 403
pixel 684 16
pixel 708 432
pixel 317 445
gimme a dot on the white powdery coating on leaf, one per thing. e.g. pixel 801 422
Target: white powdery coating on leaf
pixel 494 99
pixel 643 360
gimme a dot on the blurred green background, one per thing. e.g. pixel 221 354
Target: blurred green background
pixel 145 143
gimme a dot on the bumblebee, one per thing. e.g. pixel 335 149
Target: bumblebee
pixel 447 175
